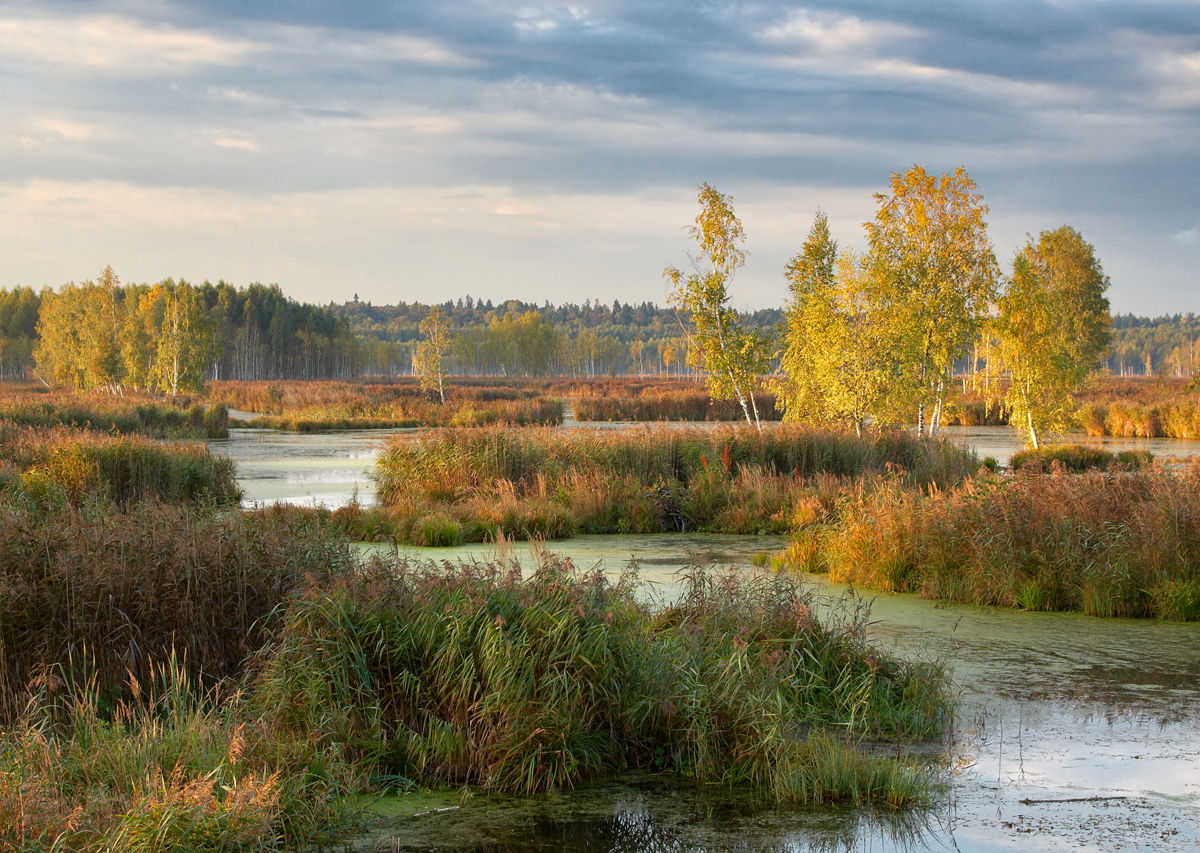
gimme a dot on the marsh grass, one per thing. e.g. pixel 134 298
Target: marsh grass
pixel 122 590
pixel 1107 544
pixel 129 413
pixel 553 483
pixel 661 401
pixel 400 403
pixel 172 768
pixel 473 675
pixel 47 469
pixel 391 673
pixel 1080 457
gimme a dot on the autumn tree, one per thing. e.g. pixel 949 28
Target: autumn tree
pixel 838 358
pixel 931 255
pixel 79 329
pixel 184 339
pixel 430 354
pixel 1054 328
pixel 732 356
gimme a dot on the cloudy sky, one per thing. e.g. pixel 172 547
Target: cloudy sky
pixel 426 150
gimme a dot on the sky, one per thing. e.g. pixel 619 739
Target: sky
pixel 423 151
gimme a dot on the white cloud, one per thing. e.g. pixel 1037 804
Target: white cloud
pixel 112 43
pixel 234 140
pixel 830 33
pixel 68 128
pixel 1189 237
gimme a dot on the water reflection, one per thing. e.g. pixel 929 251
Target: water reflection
pixel 648 814
pixel 1053 707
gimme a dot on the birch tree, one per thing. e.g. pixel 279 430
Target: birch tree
pixel 838 354
pixel 1054 328
pixel 732 356
pixel 930 252
pixel 184 339
pixel 430 355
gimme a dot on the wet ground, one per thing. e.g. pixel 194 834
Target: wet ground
pixel 1073 733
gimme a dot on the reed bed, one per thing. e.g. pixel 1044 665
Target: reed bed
pixel 49 469
pixel 452 486
pixel 101 596
pixel 1080 457
pixel 312 406
pixel 1106 544
pixel 472 675
pixel 1180 419
pixel 674 402
pixel 128 413
pixel 171 769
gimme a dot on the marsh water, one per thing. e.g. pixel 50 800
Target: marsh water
pixel 1072 732
pixel 333 468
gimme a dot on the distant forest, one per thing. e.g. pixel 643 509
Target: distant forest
pixel 256 332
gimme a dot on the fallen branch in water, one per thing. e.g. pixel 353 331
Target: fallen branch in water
pixel 1029 802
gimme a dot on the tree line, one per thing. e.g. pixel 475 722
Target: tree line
pixel 877 336
pixel 172 336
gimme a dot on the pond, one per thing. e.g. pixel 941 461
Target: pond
pixel 332 468
pixel 1073 732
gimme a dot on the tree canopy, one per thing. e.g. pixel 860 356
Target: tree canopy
pixel 1053 329
pixel 732 356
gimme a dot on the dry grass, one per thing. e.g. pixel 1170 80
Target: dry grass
pixel 129 412
pixel 451 486
pixel 1107 544
pixel 308 406
pixel 102 595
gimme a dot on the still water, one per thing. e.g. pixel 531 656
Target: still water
pixel 1073 733
pixel 332 468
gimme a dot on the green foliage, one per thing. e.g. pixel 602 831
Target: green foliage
pixel 840 355
pixel 471 675
pixel 932 258
pixel 732 356
pixel 1053 329
pixel 431 352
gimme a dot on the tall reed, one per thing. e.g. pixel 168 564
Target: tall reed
pixel 172 768
pixel 472 675
pixel 47 469
pixel 1107 544
pixel 121 590
pixel 450 485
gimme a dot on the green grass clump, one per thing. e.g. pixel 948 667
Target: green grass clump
pixel 472 675
pixel 48 469
pixel 1079 457
pixel 552 483
pixel 1106 544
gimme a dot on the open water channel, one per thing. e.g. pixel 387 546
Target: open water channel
pixel 1073 733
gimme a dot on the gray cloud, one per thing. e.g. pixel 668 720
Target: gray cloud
pixel 1085 113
